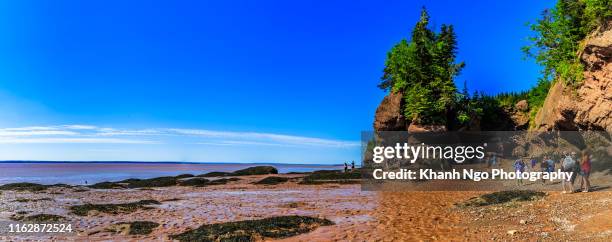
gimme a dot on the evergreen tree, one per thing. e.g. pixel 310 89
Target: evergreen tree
pixel 423 70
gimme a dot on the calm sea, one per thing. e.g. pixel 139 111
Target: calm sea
pixel 79 173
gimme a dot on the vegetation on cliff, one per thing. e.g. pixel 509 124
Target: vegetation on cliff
pixel 557 43
pixel 559 32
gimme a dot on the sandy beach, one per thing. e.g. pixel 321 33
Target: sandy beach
pixel 357 215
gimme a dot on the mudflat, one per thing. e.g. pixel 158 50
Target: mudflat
pixel 158 213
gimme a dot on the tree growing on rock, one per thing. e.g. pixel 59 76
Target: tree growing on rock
pixel 423 70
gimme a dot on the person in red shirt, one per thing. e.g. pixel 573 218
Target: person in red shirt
pixel 585 171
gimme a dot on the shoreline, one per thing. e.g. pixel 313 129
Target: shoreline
pixel 89 173
pixel 159 162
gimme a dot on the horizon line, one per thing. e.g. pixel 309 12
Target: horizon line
pixel 161 162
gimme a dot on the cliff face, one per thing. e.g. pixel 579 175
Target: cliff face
pixel 588 106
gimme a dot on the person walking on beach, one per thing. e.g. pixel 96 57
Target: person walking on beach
pixel 352 165
pixel 544 167
pixel 585 171
pixel 493 161
pixel 345 167
pixel 569 165
pixel 551 164
pixel 534 162
pixel 519 167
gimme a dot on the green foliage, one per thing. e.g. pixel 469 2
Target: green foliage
pixel 558 35
pixel 537 95
pixel 423 70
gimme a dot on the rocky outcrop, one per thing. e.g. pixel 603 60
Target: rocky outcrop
pixel 588 106
pixel 520 115
pixel 389 115
pixel 522 106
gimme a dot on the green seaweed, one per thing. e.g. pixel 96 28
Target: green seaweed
pixel 135 227
pixel 215 174
pixel 164 181
pixel 332 176
pixel 251 230
pixel 223 181
pixel 195 182
pixel 39 218
pixel 181 176
pixel 112 208
pixel 272 180
pixel 502 197
pixel 256 170
pixel 24 186
pixel 107 185
pixel 200 182
pixel 25 200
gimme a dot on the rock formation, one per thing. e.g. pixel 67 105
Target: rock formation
pixel 588 106
pixel 389 114
pixel 520 115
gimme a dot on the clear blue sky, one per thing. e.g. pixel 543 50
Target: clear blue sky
pixel 279 81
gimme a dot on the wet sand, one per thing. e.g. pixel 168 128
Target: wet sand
pixel 358 215
pixel 185 208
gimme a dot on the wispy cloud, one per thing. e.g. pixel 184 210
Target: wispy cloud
pixel 275 138
pixel 73 140
pixel 93 134
pixel 244 143
pixel 80 127
pixel 11 133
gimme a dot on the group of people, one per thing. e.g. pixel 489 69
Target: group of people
pixel 567 163
pixel 346 166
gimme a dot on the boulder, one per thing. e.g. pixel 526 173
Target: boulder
pixel 522 106
pixel 256 170
pixel 520 120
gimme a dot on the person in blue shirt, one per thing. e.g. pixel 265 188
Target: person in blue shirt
pixel 534 162
pixel 551 164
